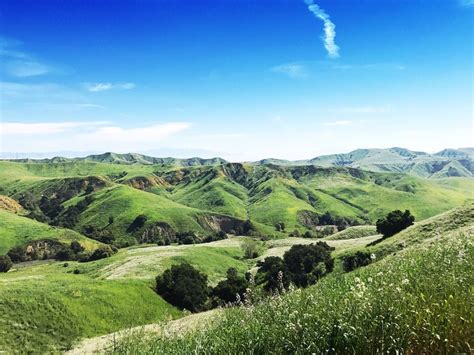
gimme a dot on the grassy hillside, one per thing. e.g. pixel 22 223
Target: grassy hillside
pixel 17 230
pixel 206 198
pixel 415 301
pixel 146 262
pixel 45 308
pixel 354 233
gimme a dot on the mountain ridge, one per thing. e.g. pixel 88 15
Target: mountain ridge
pixel 445 163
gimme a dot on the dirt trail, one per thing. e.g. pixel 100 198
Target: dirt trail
pixel 101 343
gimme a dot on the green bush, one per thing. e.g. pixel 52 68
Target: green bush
pixel 308 263
pixel 227 290
pixel 5 263
pixel 354 261
pixel 394 222
pixel 183 286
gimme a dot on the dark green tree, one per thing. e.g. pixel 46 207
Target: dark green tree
pixel 273 273
pixel 183 286
pixel 228 289
pixel 394 222
pixel 308 263
pixel 351 262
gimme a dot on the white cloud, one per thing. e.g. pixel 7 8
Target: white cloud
pixel 337 123
pixel 292 70
pixel 97 87
pixel 81 136
pixel 467 2
pixel 329 29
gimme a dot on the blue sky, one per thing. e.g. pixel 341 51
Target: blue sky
pixel 236 78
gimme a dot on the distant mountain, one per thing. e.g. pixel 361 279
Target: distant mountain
pixel 446 163
pixel 131 158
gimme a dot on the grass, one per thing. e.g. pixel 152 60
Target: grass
pixel 417 301
pixel 16 230
pixel 146 262
pixel 353 233
pixel 267 195
pixel 46 308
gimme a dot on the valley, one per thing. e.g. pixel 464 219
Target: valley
pixel 133 220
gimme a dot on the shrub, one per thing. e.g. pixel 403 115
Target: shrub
pixel 250 249
pixel 273 273
pixel 280 227
pixel 308 263
pixel 137 223
pixel 351 262
pixel 183 286
pixel 228 289
pixel 76 247
pixel 5 263
pixel 101 252
pixel 64 254
pixel 394 222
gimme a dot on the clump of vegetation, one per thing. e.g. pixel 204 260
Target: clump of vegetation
pixel 280 227
pixel 273 274
pixel 302 265
pixel 395 222
pixel 250 249
pixel 5 263
pixel 102 252
pixel 230 290
pixel 183 286
pixel 308 263
pixel 215 237
pixel 137 223
pixel 354 261
pixel 416 302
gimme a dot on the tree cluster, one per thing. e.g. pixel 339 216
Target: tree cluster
pixel 394 222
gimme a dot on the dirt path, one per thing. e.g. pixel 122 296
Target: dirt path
pixel 185 324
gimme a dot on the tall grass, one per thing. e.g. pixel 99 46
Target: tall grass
pixel 417 301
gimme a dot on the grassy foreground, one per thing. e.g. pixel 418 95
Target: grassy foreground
pixel 417 301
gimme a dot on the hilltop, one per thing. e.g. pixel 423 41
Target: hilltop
pixel 446 163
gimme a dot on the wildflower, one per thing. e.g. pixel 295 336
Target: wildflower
pixel 357 280
pixel 373 256
pixel 461 254
pixel 369 279
pixel 405 281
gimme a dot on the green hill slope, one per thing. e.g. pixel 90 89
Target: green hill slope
pixel 46 308
pixel 414 301
pixel 17 230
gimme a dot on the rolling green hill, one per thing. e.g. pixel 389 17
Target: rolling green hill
pixel 417 300
pixel 18 230
pixel 106 198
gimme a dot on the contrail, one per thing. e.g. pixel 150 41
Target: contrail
pixel 329 29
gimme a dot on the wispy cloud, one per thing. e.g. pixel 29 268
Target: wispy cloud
pixel 374 66
pixel 362 109
pixel 95 135
pixel 337 123
pixel 22 128
pixel 466 2
pixel 329 29
pixel 292 70
pixel 18 63
pixel 97 87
